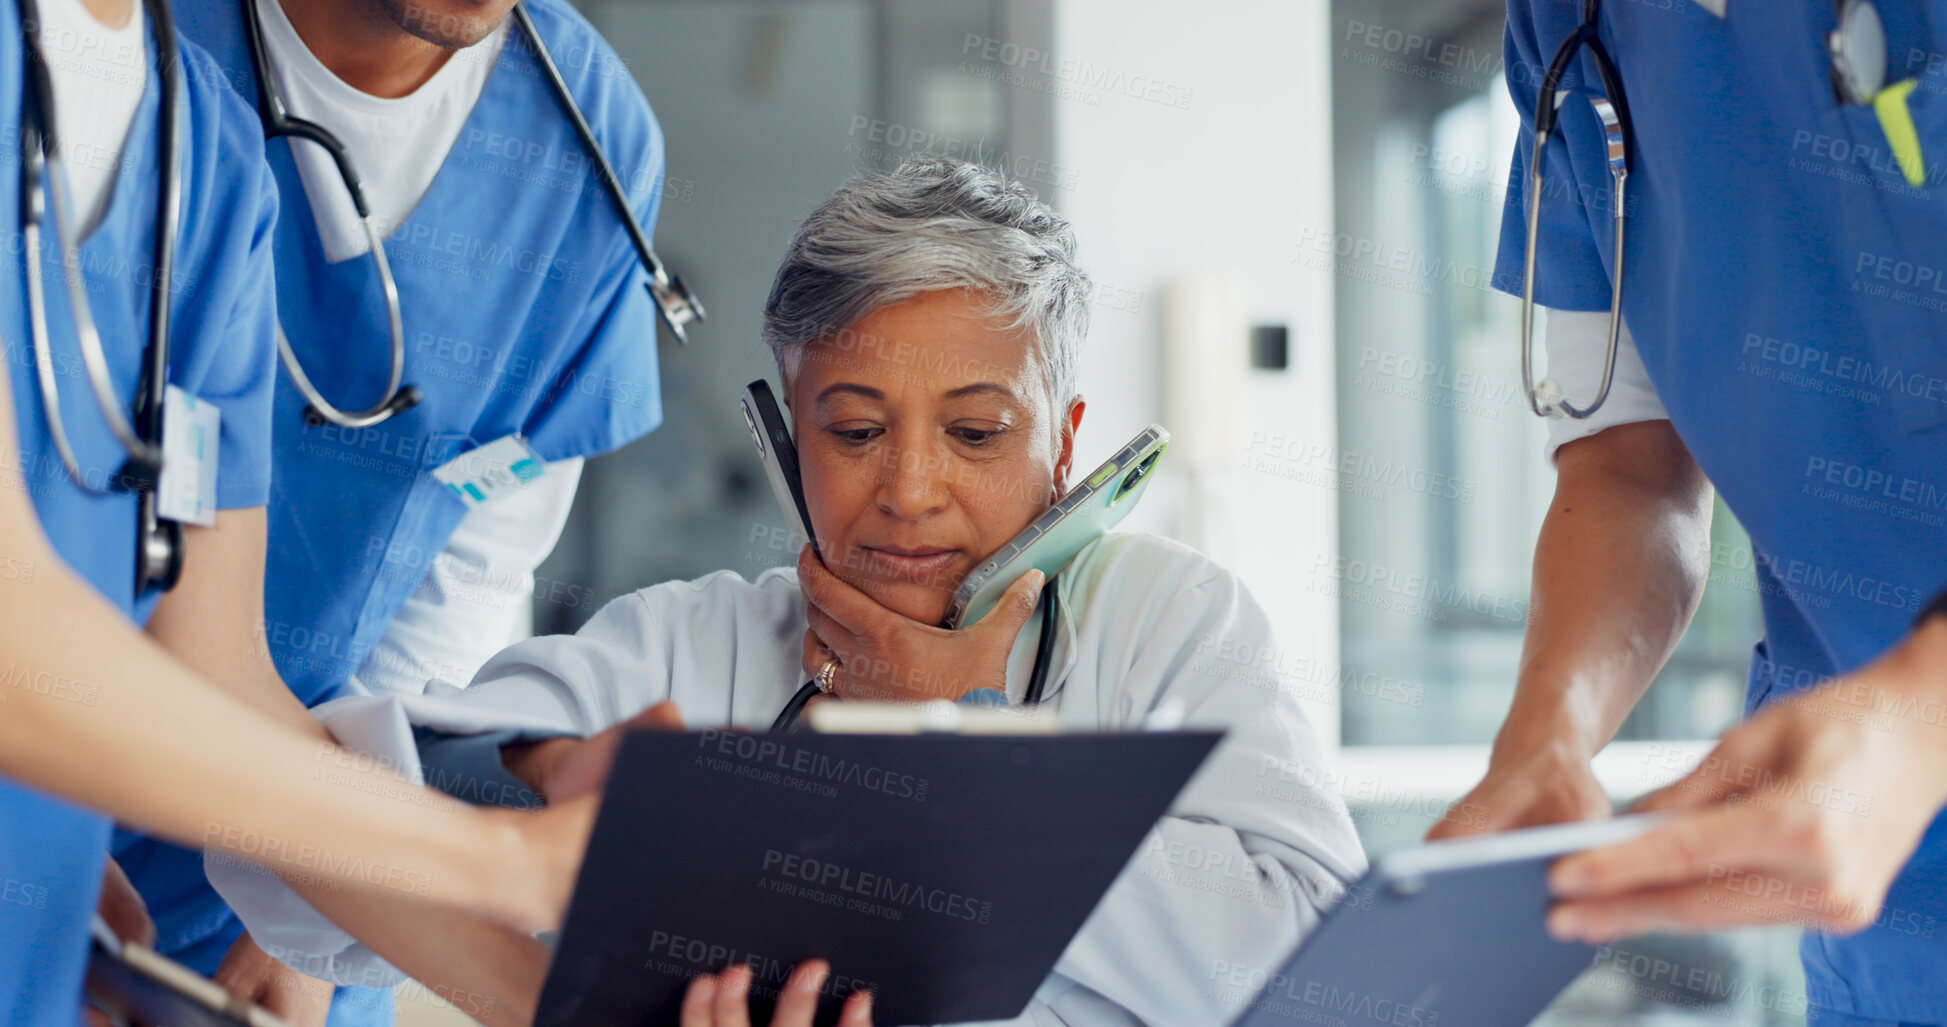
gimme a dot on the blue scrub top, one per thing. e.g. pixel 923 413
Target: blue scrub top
pixel 525 311
pixel 51 852
pixel 1788 292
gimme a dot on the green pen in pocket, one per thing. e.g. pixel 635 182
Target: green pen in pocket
pixel 1896 121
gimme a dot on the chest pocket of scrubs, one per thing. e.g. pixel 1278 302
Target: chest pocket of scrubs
pixel 1890 253
pixel 426 522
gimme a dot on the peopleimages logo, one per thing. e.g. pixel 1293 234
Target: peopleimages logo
pixel 1844 367
pixel 1084 74
pixel 763 753
pixel 875 887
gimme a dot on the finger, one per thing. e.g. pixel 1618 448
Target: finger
pixel 123 907
pixel 1686 908
pixel 1691 846
pixel 732 1007
pixel 698 999
pixel 837 639
pixel 92 1017
pixel 664 716
pixel 813 659
pixel 298 1001
pixel 1460 822
pixel 823 590
pixel 1497 807
pixel 1740 762
pixel 857 1011
pixel 797 1002
pixel 1711 782
pixel 240 976
pixel 1016 605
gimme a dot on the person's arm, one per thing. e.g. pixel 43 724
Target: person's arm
pixel 1619 570
pixel 138 736
pixel 212 621
pixel 544 687
pixel 1802 815
pixel 150 743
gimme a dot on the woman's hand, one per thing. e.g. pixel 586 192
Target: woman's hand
pixel 888 657
pixel 722 1000
pixel 251 974
pixel 1804 814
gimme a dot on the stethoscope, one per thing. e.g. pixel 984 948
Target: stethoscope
pixel 1857 48
pixel 44 184
pixel 675 303
pixel 787 718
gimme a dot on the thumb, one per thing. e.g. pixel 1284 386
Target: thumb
pixel 664 716
pixel 1738 757
pixel 1015 607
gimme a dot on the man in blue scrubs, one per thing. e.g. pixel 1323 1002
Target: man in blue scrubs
pixel 525 315
pixel 1786 307
pixel 51 853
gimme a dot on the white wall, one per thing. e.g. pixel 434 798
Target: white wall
pixel 1219 168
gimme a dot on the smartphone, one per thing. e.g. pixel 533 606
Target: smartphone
pixel 1086 513
pixel 772 433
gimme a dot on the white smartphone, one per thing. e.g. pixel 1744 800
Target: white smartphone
pixel 772 433
pixel 1086 513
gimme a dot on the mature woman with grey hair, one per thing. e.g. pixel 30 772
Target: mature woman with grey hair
pixel 927 324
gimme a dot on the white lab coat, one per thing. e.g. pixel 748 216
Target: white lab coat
pixel 1240 868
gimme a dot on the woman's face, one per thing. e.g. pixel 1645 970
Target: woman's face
pixel 927 440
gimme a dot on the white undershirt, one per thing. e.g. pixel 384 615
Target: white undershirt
pixel 98 74
pixel 476 598
pixel 397 145
pixel 1577 342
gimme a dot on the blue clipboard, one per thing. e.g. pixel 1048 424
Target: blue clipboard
pixel 1450 934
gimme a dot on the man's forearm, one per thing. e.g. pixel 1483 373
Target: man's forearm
pixel 1619 570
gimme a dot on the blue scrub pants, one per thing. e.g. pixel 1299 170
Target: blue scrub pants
pixel 350 1007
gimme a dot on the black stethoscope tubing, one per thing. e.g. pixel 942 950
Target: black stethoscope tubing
pixel 159 542
pixel 675 304
pixel 787 718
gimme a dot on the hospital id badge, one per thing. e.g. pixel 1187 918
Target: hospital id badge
pixel 506 464
pixel 186 491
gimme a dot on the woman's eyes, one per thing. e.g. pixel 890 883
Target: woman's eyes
pixel 859 436
pixel 856 436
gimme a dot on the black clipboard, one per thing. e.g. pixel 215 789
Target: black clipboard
pixel 946 873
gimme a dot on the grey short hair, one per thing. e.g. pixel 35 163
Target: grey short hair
pixel 933 223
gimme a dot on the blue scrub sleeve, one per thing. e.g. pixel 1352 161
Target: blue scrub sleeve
pixel 1570 254
pixel 468 767
pixel 609 393
pixel 242 382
